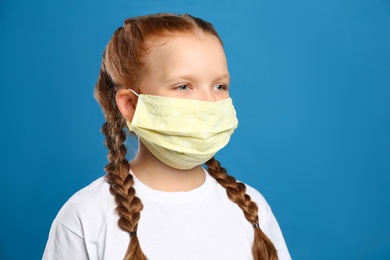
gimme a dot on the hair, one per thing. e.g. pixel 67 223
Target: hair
pixel 124 64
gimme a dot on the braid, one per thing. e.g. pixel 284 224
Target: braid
pixel 262 248
pixel 121 182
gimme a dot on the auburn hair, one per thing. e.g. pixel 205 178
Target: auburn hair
pixel 124 64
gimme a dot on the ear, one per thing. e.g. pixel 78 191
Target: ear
pixel 126 102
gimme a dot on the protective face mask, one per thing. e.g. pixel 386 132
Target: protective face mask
pixel 183 133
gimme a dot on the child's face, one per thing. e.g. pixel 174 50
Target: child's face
pixel 188 66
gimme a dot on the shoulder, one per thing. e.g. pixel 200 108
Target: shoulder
pixel 95 194
pixel 257 197
pixel 266 217
pixel 90 203
pixel 80 221
pixel 268 222
pixel 255 194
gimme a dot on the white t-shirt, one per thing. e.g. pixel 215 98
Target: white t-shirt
pixel 199 224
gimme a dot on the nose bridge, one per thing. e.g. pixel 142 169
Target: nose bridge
pixel 207 94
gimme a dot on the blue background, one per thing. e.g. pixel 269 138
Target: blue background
pixel 310 82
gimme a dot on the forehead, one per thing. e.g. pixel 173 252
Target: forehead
pixel 195 59
pixel 185 49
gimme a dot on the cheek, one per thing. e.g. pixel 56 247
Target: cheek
pixel 223 95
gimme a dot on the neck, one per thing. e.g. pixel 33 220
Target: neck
pixel 159 176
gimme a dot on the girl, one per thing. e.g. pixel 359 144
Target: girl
pixel 166 78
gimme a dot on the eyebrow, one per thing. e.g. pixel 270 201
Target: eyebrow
pixel 192 77
pixel 224 76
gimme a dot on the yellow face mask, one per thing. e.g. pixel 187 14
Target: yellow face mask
pixel 183 133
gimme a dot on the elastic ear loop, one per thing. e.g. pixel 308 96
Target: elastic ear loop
pixel 135 93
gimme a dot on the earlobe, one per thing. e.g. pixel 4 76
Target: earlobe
pixel 126 102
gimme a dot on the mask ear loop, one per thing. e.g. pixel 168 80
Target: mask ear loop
pixel 135 93
pixel 116 95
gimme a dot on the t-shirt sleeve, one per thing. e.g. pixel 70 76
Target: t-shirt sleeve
pixel 269 224
pixel 64 244
pixel 275 234
pixel 76 230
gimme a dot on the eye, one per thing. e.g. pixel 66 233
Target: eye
pixel 221 87
pixel 183 87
